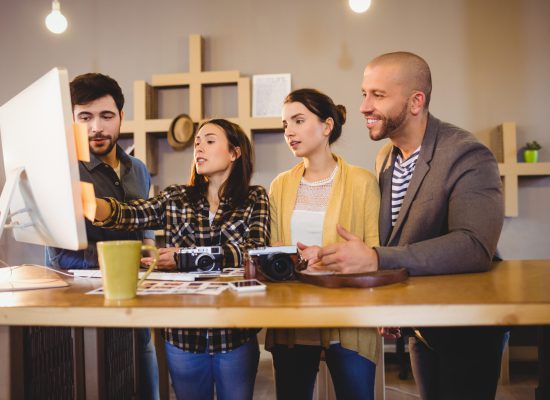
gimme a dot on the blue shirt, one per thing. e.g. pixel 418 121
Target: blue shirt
pixel 134 183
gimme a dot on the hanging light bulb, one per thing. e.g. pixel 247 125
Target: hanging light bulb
pixel 359 6
pixel 55 21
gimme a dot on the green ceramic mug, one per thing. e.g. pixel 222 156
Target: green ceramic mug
pixel 119 261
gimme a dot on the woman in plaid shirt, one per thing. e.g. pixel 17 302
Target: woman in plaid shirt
pixel 217 208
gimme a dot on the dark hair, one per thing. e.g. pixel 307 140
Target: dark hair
pixel 92 86
pixel 235 188
pixel 322 106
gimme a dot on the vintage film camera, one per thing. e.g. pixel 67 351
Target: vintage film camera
pixel 199 259
pixel 276 264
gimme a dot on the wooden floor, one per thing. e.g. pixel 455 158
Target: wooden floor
pixel 523 380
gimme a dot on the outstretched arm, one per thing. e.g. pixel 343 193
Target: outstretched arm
pixel 103 209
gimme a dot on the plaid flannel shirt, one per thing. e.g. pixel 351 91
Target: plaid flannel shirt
pixel 186 224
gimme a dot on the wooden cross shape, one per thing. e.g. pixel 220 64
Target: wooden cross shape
pixel 502 141
pixel 143 126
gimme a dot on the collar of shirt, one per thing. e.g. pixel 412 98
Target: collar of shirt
pixel 121 155
pixel 224 207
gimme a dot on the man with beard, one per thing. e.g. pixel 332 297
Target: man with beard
pixel 441 213
pixel 97 102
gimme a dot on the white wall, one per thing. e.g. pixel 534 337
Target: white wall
pixel 490 61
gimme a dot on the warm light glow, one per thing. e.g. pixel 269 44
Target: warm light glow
pixel 55 21
pixel 359 6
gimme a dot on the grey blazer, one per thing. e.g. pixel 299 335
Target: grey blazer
pixel 453 211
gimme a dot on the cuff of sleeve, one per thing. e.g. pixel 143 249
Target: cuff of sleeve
pixel 110 220
pixel 149 235
pixel 388 257
pixel 378 265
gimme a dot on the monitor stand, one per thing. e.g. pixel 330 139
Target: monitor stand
pixel 29 276
pixel 12 181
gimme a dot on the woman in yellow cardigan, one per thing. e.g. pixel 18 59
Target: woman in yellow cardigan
pixel 307 202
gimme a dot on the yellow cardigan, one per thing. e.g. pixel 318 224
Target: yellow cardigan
pixel 354 203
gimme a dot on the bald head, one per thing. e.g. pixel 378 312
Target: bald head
pixel 414 72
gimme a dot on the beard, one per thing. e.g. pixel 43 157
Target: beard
pixel 391 124
pixel 104 151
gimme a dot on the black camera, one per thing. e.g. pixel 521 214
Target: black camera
pixel 276 264
pixel 199 259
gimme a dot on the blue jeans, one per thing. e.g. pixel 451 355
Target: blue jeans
pixel 194 374
pixel 148 373
pixel 296 370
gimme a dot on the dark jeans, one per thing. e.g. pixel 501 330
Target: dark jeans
pixel 460 363
pixel 296 370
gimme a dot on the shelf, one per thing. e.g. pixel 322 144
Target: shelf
pixel 502 141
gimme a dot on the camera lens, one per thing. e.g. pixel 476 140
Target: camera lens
pixel 205 262
pixel 279 267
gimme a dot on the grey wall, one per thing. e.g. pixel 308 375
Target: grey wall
pixel 490 61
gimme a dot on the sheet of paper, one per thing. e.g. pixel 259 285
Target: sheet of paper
pixel 213 288
pixel 81 141
pixel 88 200
pixel 268 94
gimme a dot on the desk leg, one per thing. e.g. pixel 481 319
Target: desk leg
pixel 542 392
pixel 94 360
pixel 164 382
pixel 5 384
pixel 11 363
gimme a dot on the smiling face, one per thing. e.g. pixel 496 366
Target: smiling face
pixel 385 104
pixel 212 153
pixel 305 133
pixel 103 120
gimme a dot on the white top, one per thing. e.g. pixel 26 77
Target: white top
pixel 211 216
pixel 306 226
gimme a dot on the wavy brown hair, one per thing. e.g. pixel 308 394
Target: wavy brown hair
pixel 235 188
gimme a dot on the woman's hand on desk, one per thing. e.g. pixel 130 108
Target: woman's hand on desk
pixel 166 259
pixel 308 253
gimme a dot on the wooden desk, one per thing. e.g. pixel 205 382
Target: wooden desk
pixel 512 293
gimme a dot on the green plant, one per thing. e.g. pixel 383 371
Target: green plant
pixel 534 145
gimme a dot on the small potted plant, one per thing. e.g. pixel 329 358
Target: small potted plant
pixel 531 152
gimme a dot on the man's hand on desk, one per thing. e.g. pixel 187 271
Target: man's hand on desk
pixel 166 259
pixel 348 257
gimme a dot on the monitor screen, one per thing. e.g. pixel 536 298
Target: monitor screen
pixel 42 189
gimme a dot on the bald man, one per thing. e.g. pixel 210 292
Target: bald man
pixel 441 213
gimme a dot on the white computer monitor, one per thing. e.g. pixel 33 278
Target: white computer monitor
pixel 42 189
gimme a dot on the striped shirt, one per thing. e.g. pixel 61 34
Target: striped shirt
pixel 186 224
pixel 401 177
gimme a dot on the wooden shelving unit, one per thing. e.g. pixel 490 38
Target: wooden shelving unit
pixel 144 126
pixel 502 140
